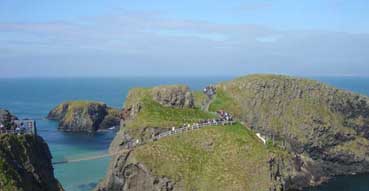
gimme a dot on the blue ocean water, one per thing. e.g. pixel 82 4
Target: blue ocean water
pixel 34 98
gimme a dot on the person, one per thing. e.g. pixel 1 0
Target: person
pixel 17 130
pixel 30 125
pixel 1 128
pixel 22 128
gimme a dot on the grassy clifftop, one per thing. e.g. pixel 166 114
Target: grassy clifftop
pixel 316 120
pixel 213 158
pixel 323 130
pixel 152 114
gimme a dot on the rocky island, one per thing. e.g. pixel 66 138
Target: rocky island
pixel 25 161
pixel 313 132
pixel 84 116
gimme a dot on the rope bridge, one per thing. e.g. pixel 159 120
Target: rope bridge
pixel 89 158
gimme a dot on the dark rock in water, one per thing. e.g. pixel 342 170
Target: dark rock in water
pixel 25 164
pixel 84 116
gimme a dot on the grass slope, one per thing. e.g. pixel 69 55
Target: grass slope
pixel 213 158
pixel 154 114
pixel 281 103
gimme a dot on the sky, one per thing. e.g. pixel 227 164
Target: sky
pixel 119 38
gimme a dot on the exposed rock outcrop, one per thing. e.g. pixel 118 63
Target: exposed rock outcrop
pixel 7 119
pixel 84 116
pixel 173 96
pixel 132 176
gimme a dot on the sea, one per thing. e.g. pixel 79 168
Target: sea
pixel 34 97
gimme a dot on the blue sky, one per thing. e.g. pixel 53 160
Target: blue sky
pixel 42 38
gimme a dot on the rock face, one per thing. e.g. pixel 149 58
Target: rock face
pixel 83 116
pixel 131 176
pixel 173 96
pixel 25 164
pixel 124 173
pixel 326 127
pixel 25 161
pixel 7 119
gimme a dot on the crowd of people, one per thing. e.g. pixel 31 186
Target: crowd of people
pixel 224 119
pixel 210 90
pixel 16 128
pixel 224 115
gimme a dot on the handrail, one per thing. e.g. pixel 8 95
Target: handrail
pixel 17 132
pixel 192 127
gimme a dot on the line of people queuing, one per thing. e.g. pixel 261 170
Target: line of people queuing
pixel 20 128
pixel 223 117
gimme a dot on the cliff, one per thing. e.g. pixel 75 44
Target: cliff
pixel 326 127
pixel 25 164
pixel 314 132
pixel 84 116
pixel 190 161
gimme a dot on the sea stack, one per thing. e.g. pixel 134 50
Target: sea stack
pixel 84 116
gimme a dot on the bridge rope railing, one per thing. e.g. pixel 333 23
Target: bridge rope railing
pixel 13 131
pixel 192 127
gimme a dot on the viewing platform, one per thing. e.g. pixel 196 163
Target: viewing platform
pixel 20 127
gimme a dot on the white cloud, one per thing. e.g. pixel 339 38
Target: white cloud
pixel 124 43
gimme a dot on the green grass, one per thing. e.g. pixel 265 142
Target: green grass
pixel 78 104
pixel 154 114
pixel 213 158
pixel 199 98
pixel 224 101
pixel 281 104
